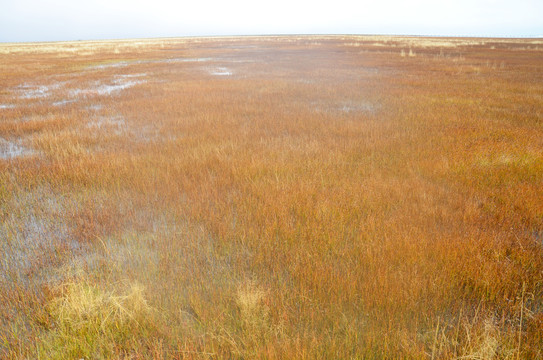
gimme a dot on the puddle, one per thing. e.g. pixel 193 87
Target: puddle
pixel 37 91
pixel 96 107
pixel 220 71
pixel 123 64
pixel 34 237
pixel 241 61
pixel 103 87
pixel 145 134
pixel 63 102
pixel 30 235
pixel 109 65
pixel 357 107
pixel 173 60
pixel 117 125
pixel 33 92
pixel 112 124
pixel 346 107
pixel 10 150
pixel 118 84
pixel 127 76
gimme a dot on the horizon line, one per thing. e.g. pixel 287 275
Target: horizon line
pixel 460 36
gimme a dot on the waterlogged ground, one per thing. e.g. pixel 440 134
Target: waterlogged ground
pixel 275 197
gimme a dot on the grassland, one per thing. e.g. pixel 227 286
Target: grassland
pixel 272 197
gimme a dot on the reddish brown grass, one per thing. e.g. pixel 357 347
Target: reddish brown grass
pixel 279 197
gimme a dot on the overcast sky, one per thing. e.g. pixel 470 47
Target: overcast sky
pixel 52 20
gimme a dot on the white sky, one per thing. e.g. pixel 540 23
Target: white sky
pixel 50 20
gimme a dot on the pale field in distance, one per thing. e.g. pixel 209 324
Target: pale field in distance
pixel 308 197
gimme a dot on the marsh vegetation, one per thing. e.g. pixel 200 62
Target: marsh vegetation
pixel 272 197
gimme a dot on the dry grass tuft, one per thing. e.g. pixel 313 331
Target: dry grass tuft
pixel 88 322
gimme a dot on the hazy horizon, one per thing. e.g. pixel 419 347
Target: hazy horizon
pixel 63 20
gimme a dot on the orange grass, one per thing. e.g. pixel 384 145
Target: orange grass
pixel 272 197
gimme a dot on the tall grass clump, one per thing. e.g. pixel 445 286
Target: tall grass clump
pixel 89 322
